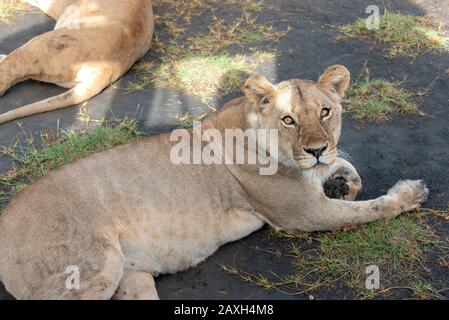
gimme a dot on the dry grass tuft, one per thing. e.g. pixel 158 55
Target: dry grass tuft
pixel 327 260
pixel 10 9
pixel 376 100
pixel 403 35
pixel 205 63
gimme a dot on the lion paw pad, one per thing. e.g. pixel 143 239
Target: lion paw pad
pixel 336 188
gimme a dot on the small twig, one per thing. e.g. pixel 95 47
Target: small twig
pixel 361 72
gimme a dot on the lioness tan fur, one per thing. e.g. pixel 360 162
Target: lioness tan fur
pixel 94 43
pixel 128 214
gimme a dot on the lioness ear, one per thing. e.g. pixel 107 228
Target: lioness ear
pixel 258 88
pixel 336 77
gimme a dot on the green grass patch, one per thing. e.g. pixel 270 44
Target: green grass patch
pixel 200 63
pixel 9 9
pixel 403 35
pixel 327 260
pixel 376 100
pixel 31 162
pixel 202 75
pixel 205 76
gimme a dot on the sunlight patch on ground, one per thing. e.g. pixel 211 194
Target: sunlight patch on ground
pixel 205 75
pixel 200 63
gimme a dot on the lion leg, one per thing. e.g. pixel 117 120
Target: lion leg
pixel 94 284
pixel 69 19
pixel 344 183
pixel 332 214
pixel 36 60
pixel 13 69
pixel 22 64
pixel 136 285
pixel 86 80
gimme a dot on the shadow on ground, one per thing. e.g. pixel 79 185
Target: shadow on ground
pixel 407 147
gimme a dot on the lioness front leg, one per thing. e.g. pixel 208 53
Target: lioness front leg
pixel 331 214
pixel 344 183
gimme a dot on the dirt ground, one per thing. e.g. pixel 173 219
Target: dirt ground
pixel 407 147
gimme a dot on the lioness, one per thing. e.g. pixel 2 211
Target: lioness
pixel 94 43
pixel 128 214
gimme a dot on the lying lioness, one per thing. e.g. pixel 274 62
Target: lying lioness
pixel 128 214
pixel 95 42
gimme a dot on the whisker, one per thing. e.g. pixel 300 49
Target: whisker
pixel 343 154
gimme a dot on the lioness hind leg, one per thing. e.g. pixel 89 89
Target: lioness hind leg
pixel 37 59
pixel 4 85
pixel 70 19
pixel 14 68
pixel 94 284
pixel 32 62
pixel 136 285
pixel 344 183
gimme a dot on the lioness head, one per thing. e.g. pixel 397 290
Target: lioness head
pixel 307 115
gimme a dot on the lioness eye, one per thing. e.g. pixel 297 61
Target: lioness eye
pixel 288 120
pixel 325 112
pixel 265 100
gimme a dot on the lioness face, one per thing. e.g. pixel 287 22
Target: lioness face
pixel 307 115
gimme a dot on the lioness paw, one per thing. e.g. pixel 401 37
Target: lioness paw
pixel 336 188
pixel 408 194
pixel 343 185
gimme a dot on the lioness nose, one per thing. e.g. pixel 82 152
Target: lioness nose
pixel 318 152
